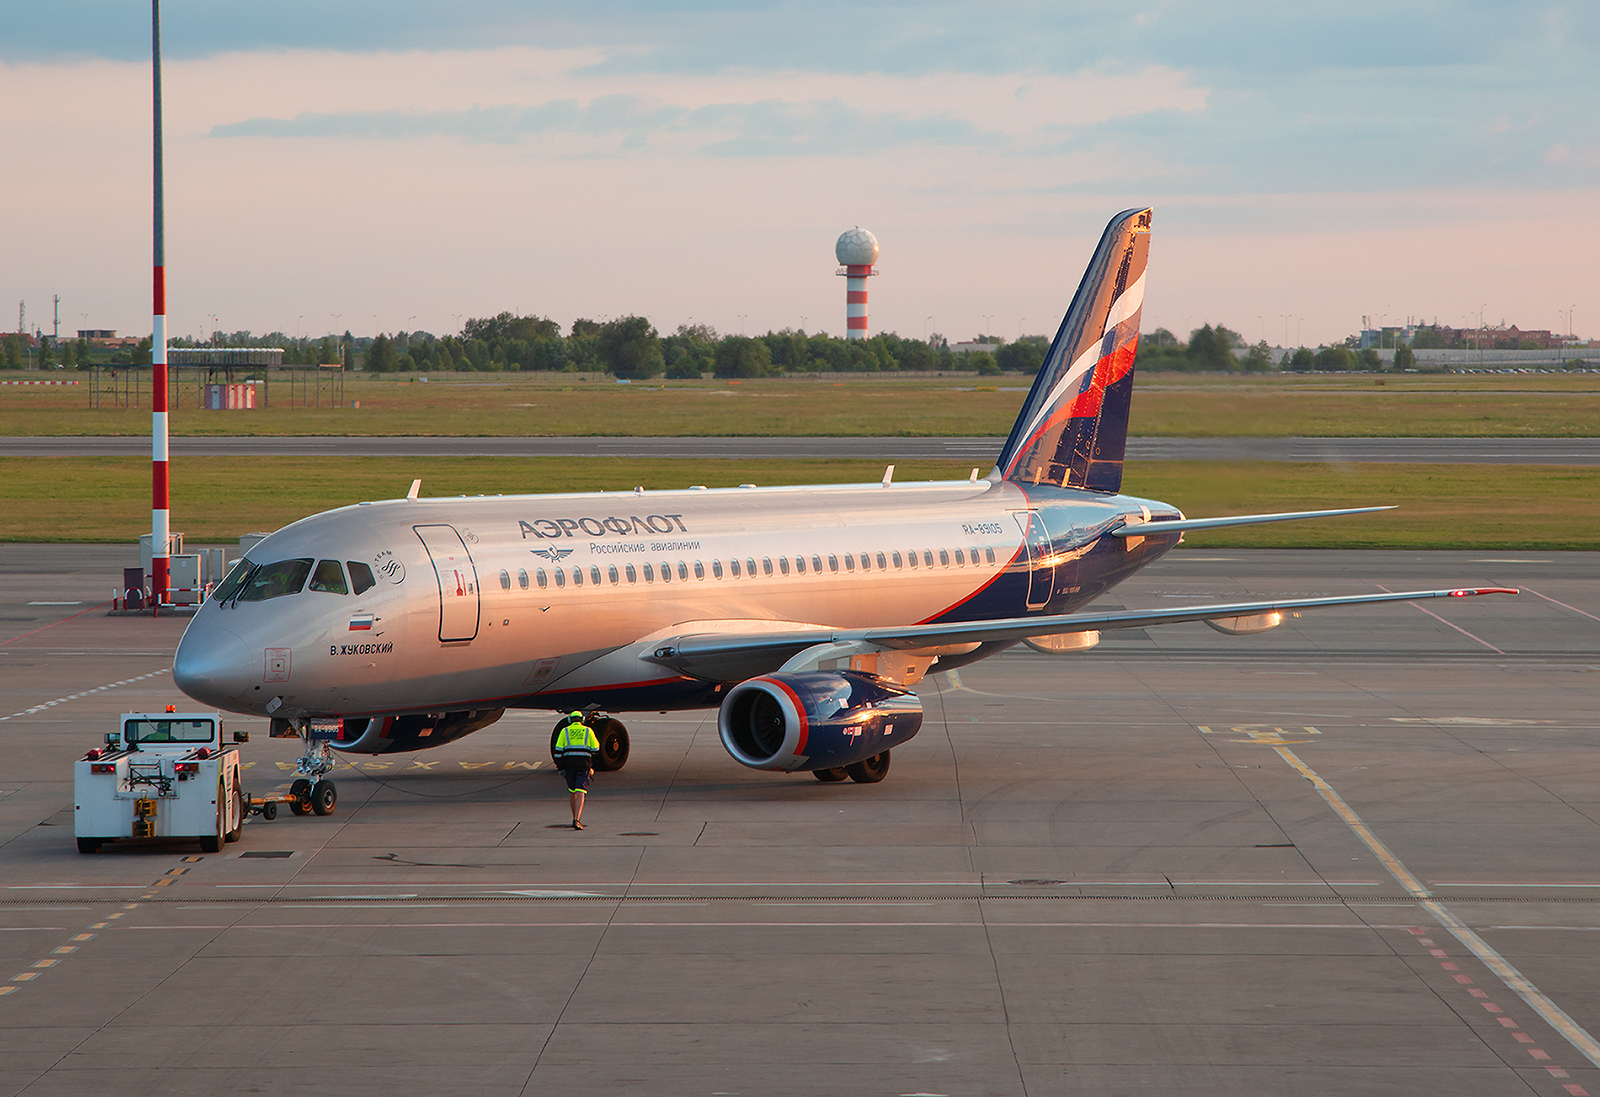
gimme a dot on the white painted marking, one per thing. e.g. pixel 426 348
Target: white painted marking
pixel 55 603
pixel 1514 980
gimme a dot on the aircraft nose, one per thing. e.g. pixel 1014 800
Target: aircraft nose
pixel 213 666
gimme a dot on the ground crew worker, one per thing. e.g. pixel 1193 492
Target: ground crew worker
pixel 575 750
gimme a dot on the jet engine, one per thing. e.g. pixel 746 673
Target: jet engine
pixel 394 734
pixel 815 720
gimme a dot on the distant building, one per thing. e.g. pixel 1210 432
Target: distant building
pixel 1498 337
pixel 974 348
pixel 97 335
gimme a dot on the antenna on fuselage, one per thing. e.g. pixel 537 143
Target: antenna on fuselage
pixel 416 486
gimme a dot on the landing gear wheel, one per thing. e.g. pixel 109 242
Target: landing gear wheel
pixel 829 776
pixel 613 753
pixel 301 791
pixel 238 813
pixel 324 797
pixel 269 810
pixel 869 771
pixel 88 845
pixel 212 843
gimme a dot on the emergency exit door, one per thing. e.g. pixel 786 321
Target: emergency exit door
pixel 458 582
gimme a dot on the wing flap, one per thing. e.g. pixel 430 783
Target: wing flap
pixel 720 657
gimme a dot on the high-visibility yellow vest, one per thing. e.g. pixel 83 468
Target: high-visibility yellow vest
pixel 576 744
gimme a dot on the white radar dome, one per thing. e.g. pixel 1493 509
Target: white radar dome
pixel 857 248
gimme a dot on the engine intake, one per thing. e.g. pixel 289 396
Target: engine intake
pixel 814 721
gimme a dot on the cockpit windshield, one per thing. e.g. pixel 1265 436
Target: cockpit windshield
pixel 233 580
pixel 275 580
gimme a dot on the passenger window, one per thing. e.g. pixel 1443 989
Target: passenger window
pixel 766 565
pixel 961 557
pixel 733 568
pixel 275 580
pixel 561 577
pixel 699 570
pixel 882 563
pixel 633 576
pixel 522 578
pixel 615 579
pixel 360 577
pixel 988 555
pixel 911 557
pixel 866 562
pixel 666 573
pixel 944 558
pixel 816 564
pixel 783 564
pixel 849 562
pixel 897 561
pixel 539 576
pixel 683 571
pixel 577 577
pixel 505 579
pixel 750 566
pixel 800 565
pixel 927 557
pixel 833 562
pixel 594 574
pixel 649 574
pixel 716 569
pixel 328 578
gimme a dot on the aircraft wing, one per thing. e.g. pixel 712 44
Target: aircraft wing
pixel 726 657
pixel 1142 529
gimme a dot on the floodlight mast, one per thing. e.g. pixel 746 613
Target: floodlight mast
pixel 160 509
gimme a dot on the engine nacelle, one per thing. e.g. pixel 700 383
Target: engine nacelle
pixel 815 720
pixel 394 734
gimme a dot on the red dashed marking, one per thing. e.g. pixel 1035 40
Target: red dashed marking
pixel 1522 1038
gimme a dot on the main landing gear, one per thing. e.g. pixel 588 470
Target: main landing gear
pixel 868 771
pixel 613 736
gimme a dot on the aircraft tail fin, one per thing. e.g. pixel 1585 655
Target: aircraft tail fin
pixel 1073 430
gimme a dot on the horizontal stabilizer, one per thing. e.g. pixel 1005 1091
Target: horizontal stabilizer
pixel 1184 525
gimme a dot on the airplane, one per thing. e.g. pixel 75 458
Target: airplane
pixel 804 615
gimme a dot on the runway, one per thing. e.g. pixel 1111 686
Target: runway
pixel 1359 854
pixel 1516 451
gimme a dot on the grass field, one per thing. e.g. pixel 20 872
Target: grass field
pixel 1172 405
pixel 216 499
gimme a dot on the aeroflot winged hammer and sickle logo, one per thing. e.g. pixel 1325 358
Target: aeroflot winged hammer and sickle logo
pixel 554 555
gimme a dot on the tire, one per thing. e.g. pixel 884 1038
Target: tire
pixel 324 797
pixel 829 776
pixel 269 810
pixel 301 791
pixel 88 845
pixel 869 771
pixel 613 753
pixel 238 813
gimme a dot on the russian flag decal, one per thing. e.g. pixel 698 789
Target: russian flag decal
pixel 361 622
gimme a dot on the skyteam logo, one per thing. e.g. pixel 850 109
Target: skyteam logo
pixel 554 555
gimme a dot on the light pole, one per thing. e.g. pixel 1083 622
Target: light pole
pixel 802 325
pixel 1569 322
pixel 742 316
pixel 1285 316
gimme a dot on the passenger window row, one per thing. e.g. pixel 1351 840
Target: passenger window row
pixel 735 569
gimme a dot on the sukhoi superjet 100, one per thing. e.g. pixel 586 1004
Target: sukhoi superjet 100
pixel 805 615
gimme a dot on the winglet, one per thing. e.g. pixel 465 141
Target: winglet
pixel 416 488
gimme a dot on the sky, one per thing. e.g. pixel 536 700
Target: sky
pixel 405 166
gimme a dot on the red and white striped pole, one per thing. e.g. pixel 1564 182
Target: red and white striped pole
pixel 160 508
pixel 857 251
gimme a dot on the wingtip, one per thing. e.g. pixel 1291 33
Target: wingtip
pixel 1470 592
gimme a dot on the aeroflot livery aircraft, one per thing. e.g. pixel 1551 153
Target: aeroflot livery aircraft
pixel 804 614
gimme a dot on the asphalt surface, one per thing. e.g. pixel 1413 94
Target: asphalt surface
pixel 1519 451
pixel 1359 854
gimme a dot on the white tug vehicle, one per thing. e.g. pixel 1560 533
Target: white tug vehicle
pixel 161 775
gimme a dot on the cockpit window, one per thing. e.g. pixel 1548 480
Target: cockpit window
pixel 275 580
pixel 329 578
pixel 360 577
pixel 232 581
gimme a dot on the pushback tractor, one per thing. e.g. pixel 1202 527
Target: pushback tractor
pixel 161 775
